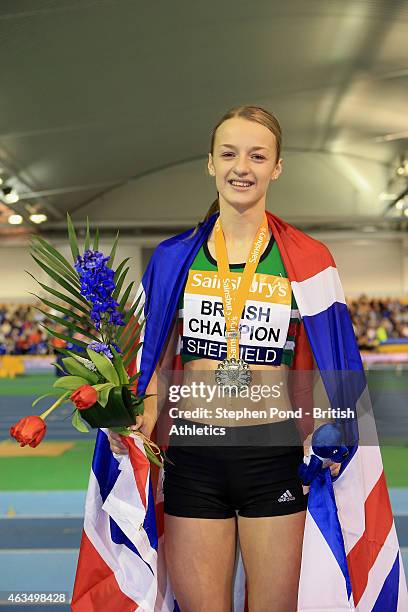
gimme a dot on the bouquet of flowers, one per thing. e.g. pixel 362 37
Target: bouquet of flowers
pixel 93 305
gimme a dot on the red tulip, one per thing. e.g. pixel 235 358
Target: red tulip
pixel 84 397
pixel 29 430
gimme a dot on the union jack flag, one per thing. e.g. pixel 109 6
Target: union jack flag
pixel 351 558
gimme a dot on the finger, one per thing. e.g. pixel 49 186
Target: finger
pixel 119 450
pixel 138 424
pixel 335 469
pixel 114 435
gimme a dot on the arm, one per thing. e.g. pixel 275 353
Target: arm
pixel 308 391
pixel 144 422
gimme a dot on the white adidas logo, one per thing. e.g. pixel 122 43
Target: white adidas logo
pixel 286 496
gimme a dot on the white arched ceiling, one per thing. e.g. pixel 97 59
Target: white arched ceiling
pixel 311 187
pixel 106 106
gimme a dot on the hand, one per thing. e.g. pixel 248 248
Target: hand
pixel 144 423
pixel 116 444
pixel 307 443
pixel 334 468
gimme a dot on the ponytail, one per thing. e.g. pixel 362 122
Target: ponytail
pixel 215 207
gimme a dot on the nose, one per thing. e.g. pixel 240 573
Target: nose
pixel 241 167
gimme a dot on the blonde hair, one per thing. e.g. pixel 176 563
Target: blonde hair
pixel 252 113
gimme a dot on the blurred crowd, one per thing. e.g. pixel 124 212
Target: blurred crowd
pixel 378 320
pixel 374 321
pixel 22 331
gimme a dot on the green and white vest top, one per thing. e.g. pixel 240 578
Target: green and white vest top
pixel 269 319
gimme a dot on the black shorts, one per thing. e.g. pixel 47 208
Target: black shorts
pixel 221 481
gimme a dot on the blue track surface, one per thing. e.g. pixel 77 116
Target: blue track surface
pixel 40 531
pixel 39 545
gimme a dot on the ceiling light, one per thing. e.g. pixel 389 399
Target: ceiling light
pixel 38 217
pixel 406 212
pixel 15 219
pixel 9 195
pixel 399 205
pixel 401 170
pixel 387 196
pixel 1 181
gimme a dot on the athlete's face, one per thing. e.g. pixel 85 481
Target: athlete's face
pixel 245 151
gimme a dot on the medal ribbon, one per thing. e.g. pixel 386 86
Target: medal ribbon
pixel 234 299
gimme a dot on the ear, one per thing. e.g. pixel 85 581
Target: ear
pixel 211 168
pixel 277 170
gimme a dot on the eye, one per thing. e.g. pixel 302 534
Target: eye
pixel 259 156
pixel 226 154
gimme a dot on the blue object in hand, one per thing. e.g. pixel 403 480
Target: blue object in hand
pixel 326 445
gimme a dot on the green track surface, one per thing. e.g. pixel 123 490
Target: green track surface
pixel 71 469
pixel 395 460
pixel 67 471
pixel 27 385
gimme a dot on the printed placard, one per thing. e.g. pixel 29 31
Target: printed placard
pixel 264 323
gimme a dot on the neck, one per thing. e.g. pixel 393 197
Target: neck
pixel 240 225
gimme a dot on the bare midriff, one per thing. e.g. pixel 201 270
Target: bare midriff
pixel 273 380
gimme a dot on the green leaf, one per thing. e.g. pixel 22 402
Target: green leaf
pixel 103 392
pixel 63 336
pixel 70 382
pixel 104 366
pixel 55 264
pixel 78 369
pixel 60 308
pixel 78 423
pixel 125 296
pixel 136 318
pixel 123 431
pixel 48 246
pixel 130 345
pixel 57 365
pixel 99 386
pixel 152 456
pixel 130 352
pixel 61 281
pixel 119 284
pixel 119 367
pixel 69 353
pixel 130 338
pixel 68 324
pixel 87 236
pixel 96 240
pixel 120 268
pixel 40 245
pixel 131 355
pixel 61 296
pixel 131 314
pixel 111 259
pixel 72 238
pixel 133 379
pixel 129 332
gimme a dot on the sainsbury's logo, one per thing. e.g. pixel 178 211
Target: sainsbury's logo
pixel 263 285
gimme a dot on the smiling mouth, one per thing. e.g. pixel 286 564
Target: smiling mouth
pixel 240 184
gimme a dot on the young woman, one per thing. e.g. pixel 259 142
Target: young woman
pixel 216 493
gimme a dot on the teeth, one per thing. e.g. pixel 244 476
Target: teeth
pixel 240 183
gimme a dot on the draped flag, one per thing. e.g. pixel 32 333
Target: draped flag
pixel 350 559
